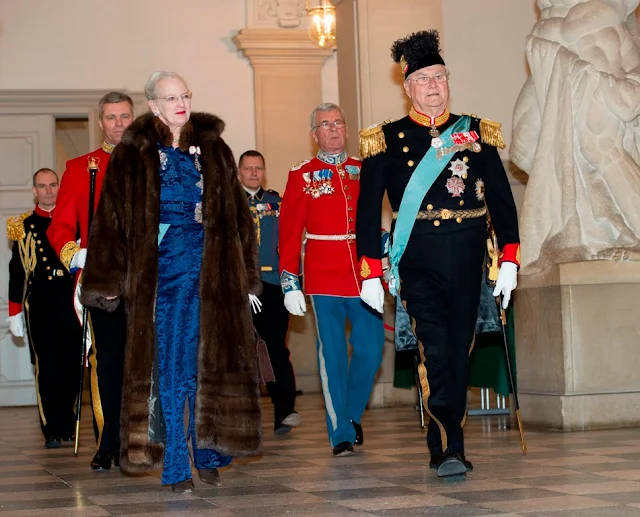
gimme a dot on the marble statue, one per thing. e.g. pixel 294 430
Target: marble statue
pixel 576 133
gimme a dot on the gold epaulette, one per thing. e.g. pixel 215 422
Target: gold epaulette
pixel 372 141
pixel 490 131
pixel 15 226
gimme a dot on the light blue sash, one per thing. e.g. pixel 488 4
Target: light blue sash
pixel 421 180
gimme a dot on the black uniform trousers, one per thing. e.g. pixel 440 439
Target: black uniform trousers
pixel 106 365
pixel 440 284
pixel 272 324
pixel 55 338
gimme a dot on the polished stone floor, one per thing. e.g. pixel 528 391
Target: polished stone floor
pixel 592 474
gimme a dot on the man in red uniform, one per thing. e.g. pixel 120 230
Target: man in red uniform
pixel 106 356
pixel 321 197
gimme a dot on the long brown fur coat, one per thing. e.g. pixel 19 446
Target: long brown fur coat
pixel 122 261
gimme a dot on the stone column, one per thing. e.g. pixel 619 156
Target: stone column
pixel 287 86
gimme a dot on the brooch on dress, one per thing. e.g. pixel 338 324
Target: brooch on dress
pixel 198 209
pixel 195 151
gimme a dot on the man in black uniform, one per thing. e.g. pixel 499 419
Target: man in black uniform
pixel 42 285
pixel 443 176
pixel 272 321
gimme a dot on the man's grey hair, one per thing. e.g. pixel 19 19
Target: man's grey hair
pixel 325 106
pixel 150 89
pixel 113 98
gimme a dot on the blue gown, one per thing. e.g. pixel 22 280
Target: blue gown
pixel 181 240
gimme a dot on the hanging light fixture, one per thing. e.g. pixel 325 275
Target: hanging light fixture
pixel 322 25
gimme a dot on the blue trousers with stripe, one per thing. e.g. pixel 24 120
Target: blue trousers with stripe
pixel 346 385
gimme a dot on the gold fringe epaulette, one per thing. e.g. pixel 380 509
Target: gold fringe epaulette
pixel 15 226
pixel 372 141
pixel 490 131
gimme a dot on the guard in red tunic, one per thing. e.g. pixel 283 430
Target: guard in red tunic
pixel 321 197
pixel 106 355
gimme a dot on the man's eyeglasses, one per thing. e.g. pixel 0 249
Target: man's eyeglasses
pixel 425 79
pixel 325 125
pixel 173 99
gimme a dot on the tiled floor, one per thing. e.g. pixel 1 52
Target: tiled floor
pixel 592 474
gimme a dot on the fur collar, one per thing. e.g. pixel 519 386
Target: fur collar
pixel 148 128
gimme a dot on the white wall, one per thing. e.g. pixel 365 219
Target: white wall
pixel 47 44
pixel 50 44
pixel 484 51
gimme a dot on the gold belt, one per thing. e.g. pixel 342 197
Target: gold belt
pixel 445 214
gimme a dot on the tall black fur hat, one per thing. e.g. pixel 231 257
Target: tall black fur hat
pixel 417 50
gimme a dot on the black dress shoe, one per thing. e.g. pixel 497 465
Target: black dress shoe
pixel 451 464
pixel 210 476
pixel 281 430
pixel 183 487
pixel 102 461
pixel 437 456
pixel 344 449
pixel 359 433
pixel 52 443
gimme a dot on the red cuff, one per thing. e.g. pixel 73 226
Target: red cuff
pixel 370 268
pixel 14 308
pixel 510 253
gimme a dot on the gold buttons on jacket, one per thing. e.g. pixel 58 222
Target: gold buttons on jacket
pixel 44 259
pixel 465 159
pixel 461 202
pixel 436 223
pixel 32 226
pixel 401 135
pixel 429 206
pixel 410 163
pixel 350 232
pixel 405 149
pixel 48 268
pixel 350 219
pixel 348 198
pixel 346 187
pixel 49 278
pixel 464 176
pixel 458 220
pixel 40 250
pixel 38 241
pixel 350 209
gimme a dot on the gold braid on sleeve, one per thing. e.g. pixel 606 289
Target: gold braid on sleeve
pixel 67 252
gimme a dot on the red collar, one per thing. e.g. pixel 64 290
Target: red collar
pixel 44 213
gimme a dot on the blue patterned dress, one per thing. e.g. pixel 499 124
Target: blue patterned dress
pixel 181 240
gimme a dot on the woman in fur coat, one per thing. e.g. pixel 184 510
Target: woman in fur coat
pixel 173 240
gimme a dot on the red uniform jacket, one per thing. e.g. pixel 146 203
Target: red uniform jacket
pixel 322 197
pixel 72 205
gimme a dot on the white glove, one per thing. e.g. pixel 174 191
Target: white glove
pixel 294 302
pixel 507 282
pixel 372 294
pixel 79 259
pixel 255 303
pixel 16 324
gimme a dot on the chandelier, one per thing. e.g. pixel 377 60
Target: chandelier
pixel 322 26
